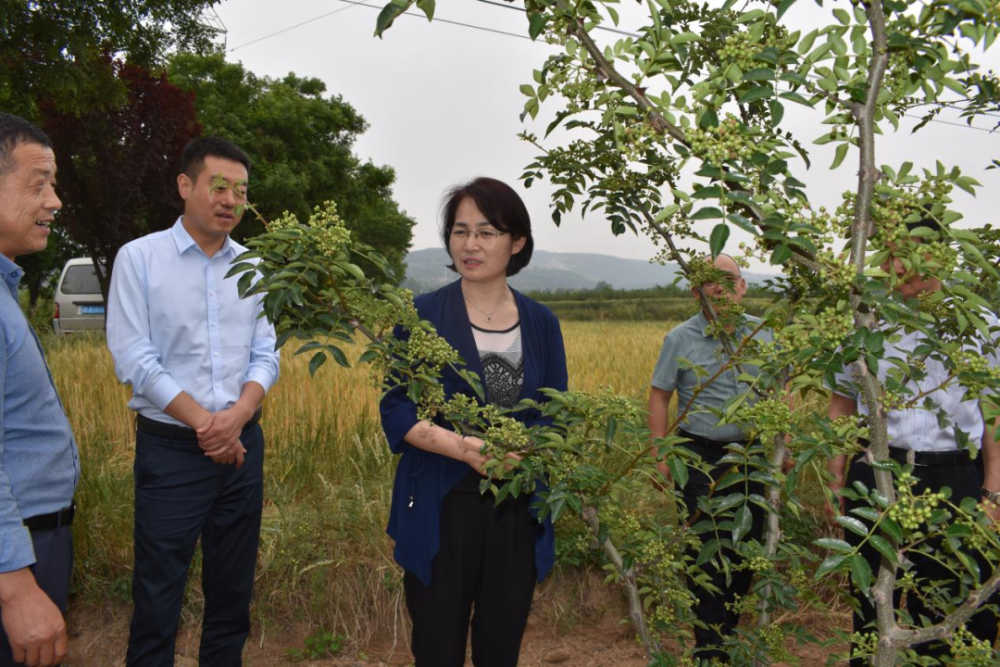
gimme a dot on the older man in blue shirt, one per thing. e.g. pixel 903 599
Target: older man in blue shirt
pixel 690 355
pixel 39 465
pixel 200 360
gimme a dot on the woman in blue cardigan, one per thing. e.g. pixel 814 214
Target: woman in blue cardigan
pixel 458 548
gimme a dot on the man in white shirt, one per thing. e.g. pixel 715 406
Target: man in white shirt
pixel 200 360
pixel 917 436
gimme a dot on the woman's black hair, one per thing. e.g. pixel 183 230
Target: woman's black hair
pixel 502 208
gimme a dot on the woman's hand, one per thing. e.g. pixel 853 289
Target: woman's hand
pixel 472 448
pixel 472 453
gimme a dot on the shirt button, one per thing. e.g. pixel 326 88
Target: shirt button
pixel 215 354
pixel 211 293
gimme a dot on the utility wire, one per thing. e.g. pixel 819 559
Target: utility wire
pixel 299 25
pixel 362 3
pixel 449 22
pixel 507 5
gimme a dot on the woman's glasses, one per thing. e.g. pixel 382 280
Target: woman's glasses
pixel 485 236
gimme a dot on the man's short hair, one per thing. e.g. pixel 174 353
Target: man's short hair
pixel 15 131
pixel 708 259
pixel 193 158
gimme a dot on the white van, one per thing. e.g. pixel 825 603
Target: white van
pixel 78 304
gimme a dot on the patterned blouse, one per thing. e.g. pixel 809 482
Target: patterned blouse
pixel 503 364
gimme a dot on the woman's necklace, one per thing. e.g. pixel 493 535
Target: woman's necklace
pixel 489 316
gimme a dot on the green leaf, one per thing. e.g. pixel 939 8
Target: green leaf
pixel 386 17
pixel 861 574
pixel 783 7
pixel 759 74
pixel 807 42
pixel 830 564
pixel 777 111
pixel 866 513
pixel 742 522
pixel 527 90
pixel 708 118
pixel 834 544
pixel 338 355
pixel 757 93
pixel 854 525
pixel 782 253
pixel 892 529
pixel 706 213
pixel 884 548
pixel 685 38
pixel 843 16
pixel 536 24
pixel 678 470
pixel 839 155
pixel 318 360
pixel 427 7
pixel 718 239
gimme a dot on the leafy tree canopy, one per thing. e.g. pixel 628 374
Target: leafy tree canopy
pixel 301 144
pixel 57 50
pixel 118 166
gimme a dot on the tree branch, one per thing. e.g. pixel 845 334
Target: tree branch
pixel 627 578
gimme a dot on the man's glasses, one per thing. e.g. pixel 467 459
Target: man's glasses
pixel 485 236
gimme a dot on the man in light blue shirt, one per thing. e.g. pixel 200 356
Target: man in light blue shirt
pixel 39 464
pixel 200 360
pixel 689 346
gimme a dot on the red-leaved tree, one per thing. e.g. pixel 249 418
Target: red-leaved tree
pixel 118 165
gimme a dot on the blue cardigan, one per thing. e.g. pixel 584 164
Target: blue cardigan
pixel 423 479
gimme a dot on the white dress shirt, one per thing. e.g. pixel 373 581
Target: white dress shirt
pixel 917 428
pixel 176 323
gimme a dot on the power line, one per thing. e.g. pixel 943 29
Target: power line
pixel 449 22
pixel 362 3
pixel 299 25
pixel 599 27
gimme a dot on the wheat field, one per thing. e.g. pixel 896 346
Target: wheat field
pixel 325 559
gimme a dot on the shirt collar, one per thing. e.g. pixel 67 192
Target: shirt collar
pixel 10 272
pixel 185 242
pixel 702 323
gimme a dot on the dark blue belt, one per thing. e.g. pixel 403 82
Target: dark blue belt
pixel 174 432
pixel 52 521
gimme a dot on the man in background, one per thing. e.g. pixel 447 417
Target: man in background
pixel 695 341
pixel 39 463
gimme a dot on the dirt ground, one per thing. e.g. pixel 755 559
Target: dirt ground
pixel 98 637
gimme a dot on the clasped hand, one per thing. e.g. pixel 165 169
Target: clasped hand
pixel 472 453
pixel 219 436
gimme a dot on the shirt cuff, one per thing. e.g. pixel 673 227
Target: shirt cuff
pixel 665 386
pixel 17 551
pixel 260 376
pixel 162 392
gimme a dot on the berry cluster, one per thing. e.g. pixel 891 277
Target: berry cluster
pixel 506 434
pixel 911 511
pixel 718 145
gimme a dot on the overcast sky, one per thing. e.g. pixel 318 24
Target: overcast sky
pixel 442 102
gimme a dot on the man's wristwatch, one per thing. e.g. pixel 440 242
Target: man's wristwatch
pixel 992 496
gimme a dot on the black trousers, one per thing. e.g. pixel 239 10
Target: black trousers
pixel 486 561
pixel 965 480
pixel 710 608
pixel 181 494
pixel 52 569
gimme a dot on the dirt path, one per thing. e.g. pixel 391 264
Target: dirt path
pixel 99 635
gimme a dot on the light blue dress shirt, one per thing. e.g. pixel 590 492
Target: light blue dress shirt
pixel 39 462
pixel 689 341
pixel 177 324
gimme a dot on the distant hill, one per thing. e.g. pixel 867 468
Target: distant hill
pixel 427 270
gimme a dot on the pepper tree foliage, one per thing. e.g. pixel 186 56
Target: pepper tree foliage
pixel 703 90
